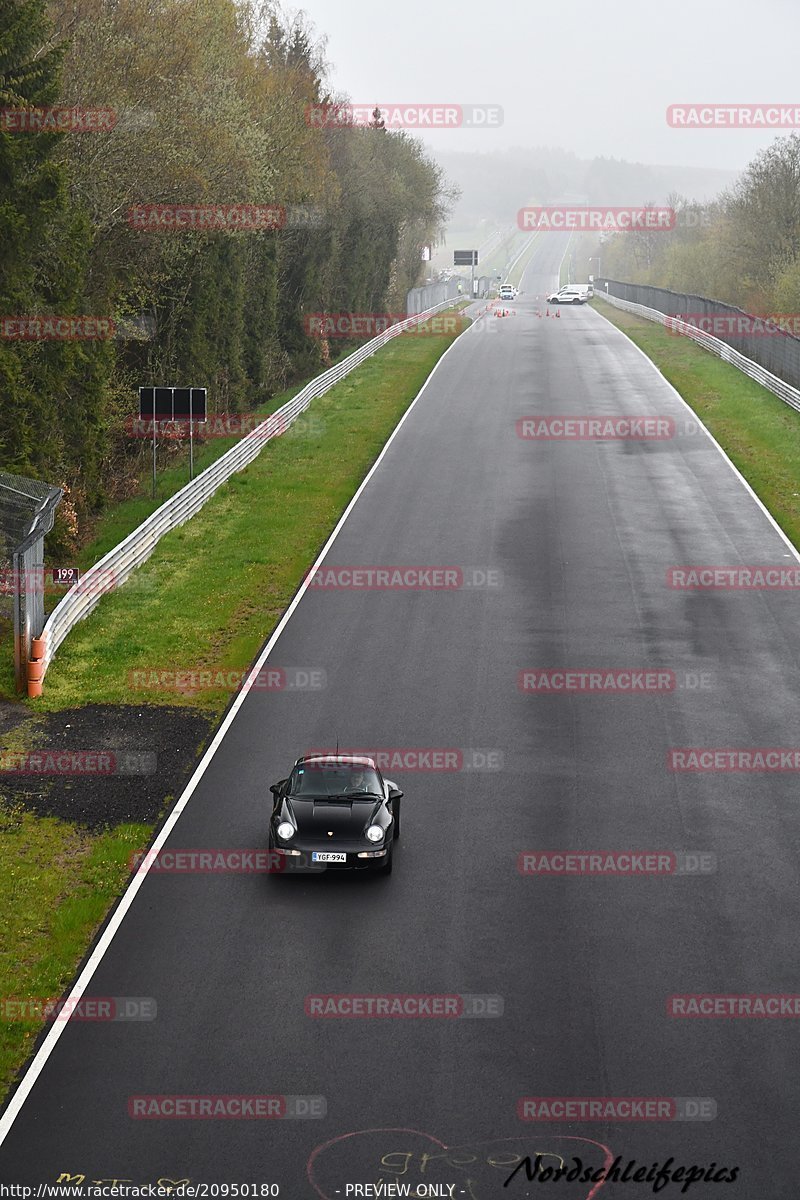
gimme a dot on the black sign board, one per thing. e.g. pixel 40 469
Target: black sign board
pixel 465 258
pixel 67 575
pixel 172 403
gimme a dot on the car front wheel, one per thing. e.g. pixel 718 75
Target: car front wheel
pixel 396 815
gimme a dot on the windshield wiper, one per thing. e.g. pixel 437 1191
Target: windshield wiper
pixel 353 796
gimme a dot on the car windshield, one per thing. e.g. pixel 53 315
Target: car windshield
pixel 334 779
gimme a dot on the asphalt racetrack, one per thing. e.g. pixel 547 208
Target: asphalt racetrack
pixel 560 548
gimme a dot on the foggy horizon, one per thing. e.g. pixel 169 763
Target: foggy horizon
pixel 576 62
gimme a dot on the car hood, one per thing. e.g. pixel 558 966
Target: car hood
pixel 344 818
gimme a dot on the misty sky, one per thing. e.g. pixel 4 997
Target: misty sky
pixel 592 76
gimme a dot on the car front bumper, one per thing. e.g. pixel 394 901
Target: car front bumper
pixel 301 860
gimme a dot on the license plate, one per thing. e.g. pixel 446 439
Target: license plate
pixel 323 856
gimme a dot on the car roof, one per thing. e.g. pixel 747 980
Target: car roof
pixel 343 759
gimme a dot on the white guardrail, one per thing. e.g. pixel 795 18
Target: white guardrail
pixel 114 568
pixel 790 395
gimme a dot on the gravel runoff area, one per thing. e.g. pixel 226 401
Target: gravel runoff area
pixel 100 765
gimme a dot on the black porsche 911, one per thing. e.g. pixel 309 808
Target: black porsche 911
pixel 335 811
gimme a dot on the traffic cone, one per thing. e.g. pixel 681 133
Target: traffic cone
pixel 558 312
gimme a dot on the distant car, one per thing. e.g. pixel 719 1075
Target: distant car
pixel 336 811
pixel 573 293
pixel 507 292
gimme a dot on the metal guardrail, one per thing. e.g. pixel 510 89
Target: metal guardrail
pixel 114 568
pixel 790 395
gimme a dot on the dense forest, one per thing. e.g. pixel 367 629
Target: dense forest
pixel 201 103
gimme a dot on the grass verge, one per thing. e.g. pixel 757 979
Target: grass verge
pixel 758 432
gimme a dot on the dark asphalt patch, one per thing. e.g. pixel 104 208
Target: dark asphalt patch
pixel 145 756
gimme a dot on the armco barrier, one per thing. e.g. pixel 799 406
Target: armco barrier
pixel 115 567
pixel 766 342
pixel 790 395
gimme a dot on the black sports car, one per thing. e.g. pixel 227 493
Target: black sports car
pixel 335 811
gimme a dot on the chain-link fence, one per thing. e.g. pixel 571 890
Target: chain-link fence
pixel 420 299
pixel 27 511
pixel 764 340
pixel 753 370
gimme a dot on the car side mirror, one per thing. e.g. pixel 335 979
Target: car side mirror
pixel 395 793
pixel 276 787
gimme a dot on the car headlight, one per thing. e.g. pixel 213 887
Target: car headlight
pixel 285 830
pixel 375 833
